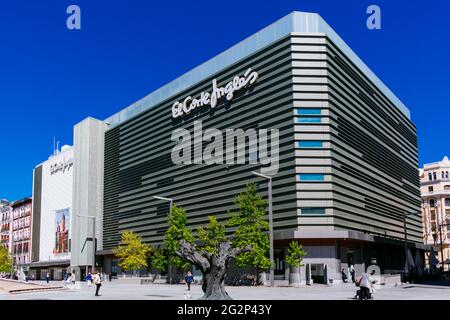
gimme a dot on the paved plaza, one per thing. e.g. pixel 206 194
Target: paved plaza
pixel 116 290
pixel 16 286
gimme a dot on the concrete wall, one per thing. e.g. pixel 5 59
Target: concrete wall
pixel 87 190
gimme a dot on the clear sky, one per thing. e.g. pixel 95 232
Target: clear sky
pixel 51 78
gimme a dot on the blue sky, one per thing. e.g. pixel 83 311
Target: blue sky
pixel 51 78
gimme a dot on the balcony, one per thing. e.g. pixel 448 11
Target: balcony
pixel 426 182
pixel 436 193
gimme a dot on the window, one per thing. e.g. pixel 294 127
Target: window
pixel 446 188
pixel 307 211
pixel 447 202
pixel 432 203
pixel 430 177
pixel 446 174
pixel 430 189
pixel 253 156
pixel 309 120
pixel 442 175
pixel 310 144
pixel 308 111
pixel 311 177
pixel 434 176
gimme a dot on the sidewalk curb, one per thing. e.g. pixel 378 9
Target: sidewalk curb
pixel 19 291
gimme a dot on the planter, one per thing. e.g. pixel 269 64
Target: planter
pixel 156 277
pixel 262 278
pixel 294 277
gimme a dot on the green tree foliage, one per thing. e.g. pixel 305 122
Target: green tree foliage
pixel 5 260
pixel 133 253
pixel 296 254
pixel 251 228
pixel 212 235
pixel 176 232
pixel 159 260
pixel 212 249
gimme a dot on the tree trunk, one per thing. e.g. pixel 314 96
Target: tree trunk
pixel 215 284
pixel 213 266
pixel 257 277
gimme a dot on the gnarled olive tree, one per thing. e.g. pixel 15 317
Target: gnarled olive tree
pixel 212 249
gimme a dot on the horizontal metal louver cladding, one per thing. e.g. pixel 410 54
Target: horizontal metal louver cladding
pixel 363 148
pixel 138 162
pixel 374 155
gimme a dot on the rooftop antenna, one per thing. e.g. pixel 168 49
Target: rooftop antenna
pixel 57 147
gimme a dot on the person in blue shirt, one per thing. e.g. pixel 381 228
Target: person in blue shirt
pixel 89 279
pixel 189 279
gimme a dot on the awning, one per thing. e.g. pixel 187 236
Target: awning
pixel 47 264
pixel 105 252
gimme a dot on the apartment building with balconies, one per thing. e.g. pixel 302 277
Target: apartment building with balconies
pixel 5 224
pixel 435 190
pixel 21 232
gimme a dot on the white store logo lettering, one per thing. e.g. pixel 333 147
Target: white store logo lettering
pixel 62 166
pixel 212 98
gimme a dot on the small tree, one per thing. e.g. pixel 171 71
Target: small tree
pixel 252 228
pixel 159 260
pixel 6 261
pixel 212 235
pixel 133 254
pixel 295 256
pixel 176 232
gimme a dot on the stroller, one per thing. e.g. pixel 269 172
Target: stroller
pixel 359 295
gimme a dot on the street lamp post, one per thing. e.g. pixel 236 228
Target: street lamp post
pixel 442 247
pixel 165 199
pixel 170 200
pixel 269 195
pixel 13 272
pixel 93 239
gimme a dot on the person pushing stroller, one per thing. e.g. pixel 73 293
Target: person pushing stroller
pixel 366 286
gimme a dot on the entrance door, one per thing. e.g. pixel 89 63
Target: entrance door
pixel 351 258
pixel 57 274
pixel 318 273
pixel 114 264
pixel 279 271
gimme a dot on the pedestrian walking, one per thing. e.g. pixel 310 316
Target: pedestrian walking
pixel 98 283
pixel 65 280
pixel 89 279
pixel 351 273
pixel 189 279
pixel 47 277
pixel 110 277
pixel 344 275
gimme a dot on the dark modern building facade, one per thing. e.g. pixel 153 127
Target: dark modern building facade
pixel 348 166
